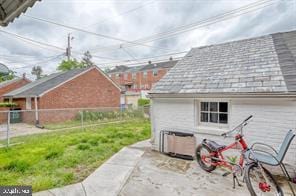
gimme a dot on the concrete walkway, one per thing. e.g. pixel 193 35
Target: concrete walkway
pixel 109 178
pixel 20 129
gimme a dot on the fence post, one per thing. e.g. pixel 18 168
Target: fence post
pixel 82 121
pixel 8 129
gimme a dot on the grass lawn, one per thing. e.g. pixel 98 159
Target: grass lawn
pixel 60 158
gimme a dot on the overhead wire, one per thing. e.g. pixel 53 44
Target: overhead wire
pixel 90 32
pixel 120 14
pixel 195 25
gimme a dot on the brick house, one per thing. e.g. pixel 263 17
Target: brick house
pixel 139 78
pixel 10 85
pixel 79 88
pixel 213 88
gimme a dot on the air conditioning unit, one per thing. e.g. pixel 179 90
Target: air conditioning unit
pixel 177 144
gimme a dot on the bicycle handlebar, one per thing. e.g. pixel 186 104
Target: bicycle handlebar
pixel 240 125
pixel 251 116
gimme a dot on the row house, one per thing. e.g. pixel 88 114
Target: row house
pixel 140 78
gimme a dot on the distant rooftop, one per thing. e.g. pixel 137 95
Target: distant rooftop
pixel 148 66
pixel 44 84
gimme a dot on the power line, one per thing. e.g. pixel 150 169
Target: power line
pixel 208 23
pixel 150 58
pixel 92 33
pixel 121 14
pixel 45 45
pixel 28 40
pixel 41 62
pixel 198 24
pixel 30 61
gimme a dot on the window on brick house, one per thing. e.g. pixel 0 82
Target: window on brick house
pixel 134 76
pixel 155 72
pixel 214 112
pixel 118 75
pixel 145 74
pixel 125 76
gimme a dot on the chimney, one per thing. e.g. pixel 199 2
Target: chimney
pixel 171 58
pixel 24 75
pixel 149 62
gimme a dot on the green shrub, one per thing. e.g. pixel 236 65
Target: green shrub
pixel 18 166
pixel 109 115
pixel 142 102
pixel 7 104
pixel 83 146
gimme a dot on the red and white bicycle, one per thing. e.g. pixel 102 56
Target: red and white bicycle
pixel 259 180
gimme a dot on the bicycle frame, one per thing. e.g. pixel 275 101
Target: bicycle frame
pixel 220 161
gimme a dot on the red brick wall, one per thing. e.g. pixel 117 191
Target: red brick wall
pixel 90 89
pixel 12 86
pixel 140 82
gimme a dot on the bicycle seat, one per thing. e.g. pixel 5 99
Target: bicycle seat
pixel 214 145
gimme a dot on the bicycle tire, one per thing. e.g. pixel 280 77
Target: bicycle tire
pixel 250 187
pixel 200 161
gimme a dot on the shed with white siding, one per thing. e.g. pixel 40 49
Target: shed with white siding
pixel 214 88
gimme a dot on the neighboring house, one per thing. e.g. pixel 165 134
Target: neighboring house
pixel 215 87
pixel 11 9
pixel 139 78
pixel 10 85
pixel 78 88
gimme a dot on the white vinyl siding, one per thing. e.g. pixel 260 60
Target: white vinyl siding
pixel 272 118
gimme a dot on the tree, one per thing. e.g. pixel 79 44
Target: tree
pixel 6 76
pixel 66 65
pixel 86 59
pixel 107 70
pixel 37 71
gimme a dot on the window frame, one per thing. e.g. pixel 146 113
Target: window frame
pixel 155 71
pixel 134 75
pixel 213 124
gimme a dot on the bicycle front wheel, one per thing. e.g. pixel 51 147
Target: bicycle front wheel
pixel 261 182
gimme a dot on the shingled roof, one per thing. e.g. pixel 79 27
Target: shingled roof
pixel 11 9
pixel 265 64
pixel 44 84
pixel 164 65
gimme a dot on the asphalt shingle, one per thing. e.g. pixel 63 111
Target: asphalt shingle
pixel 40 86
pixel 261 64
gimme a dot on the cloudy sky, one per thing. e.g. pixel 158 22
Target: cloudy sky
pixel 121 30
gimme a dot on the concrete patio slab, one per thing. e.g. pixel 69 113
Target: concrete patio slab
pixel 157 174
pixel 136 170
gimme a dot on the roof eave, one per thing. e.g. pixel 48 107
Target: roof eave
pixel 16 13
pixel 224 95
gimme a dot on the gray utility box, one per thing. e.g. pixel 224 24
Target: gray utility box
pixel 177 144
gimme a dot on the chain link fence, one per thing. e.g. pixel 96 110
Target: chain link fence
pixel 15 123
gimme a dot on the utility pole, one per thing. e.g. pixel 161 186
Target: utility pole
pixel 68 50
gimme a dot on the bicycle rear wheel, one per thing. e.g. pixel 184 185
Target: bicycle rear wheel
pixel 258 184
pixel 204 158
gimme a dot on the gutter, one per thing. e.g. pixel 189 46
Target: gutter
pixel 222 95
